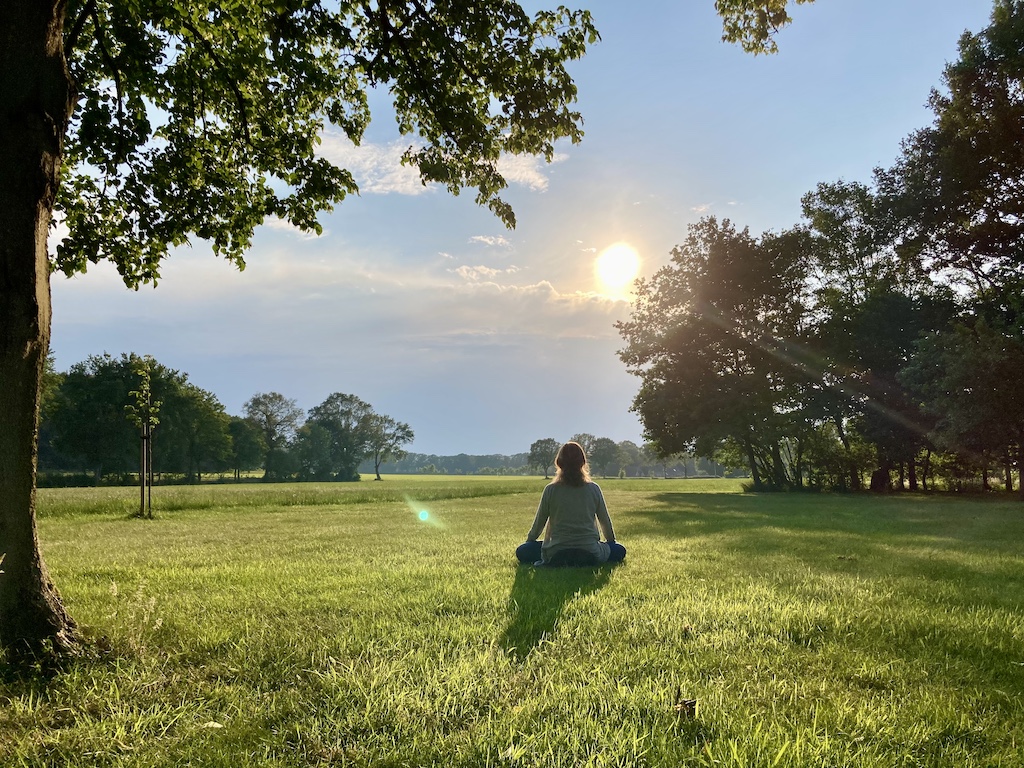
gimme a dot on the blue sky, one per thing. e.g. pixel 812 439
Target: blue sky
pixel 485 339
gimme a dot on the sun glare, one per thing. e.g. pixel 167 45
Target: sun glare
pixel 617 267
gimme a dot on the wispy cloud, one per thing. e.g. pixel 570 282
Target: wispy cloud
pixel 377 168
pixel 491 240
pixel 280 225
pixel 702 208
pixel 482 273
pixel 526 170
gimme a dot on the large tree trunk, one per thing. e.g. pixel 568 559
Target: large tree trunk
pixel 881 479
pixel 854 472
pixel 35 103
pixel 1020 465
pixel 752 463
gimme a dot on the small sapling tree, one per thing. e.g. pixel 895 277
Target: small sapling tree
pixel 144 414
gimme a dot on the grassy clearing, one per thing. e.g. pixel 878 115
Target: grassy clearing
pixel 329 625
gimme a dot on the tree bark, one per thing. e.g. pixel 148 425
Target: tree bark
pixel 752 462
pixel 1020 465
pixel 778 467
pixel 881 479
pixel 854 473
pixel 35 105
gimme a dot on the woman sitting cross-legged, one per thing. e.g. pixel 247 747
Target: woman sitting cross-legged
pixel 570 509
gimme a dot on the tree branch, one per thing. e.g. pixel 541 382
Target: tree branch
pixel 232 83
pixel 115 74
pixel 88 10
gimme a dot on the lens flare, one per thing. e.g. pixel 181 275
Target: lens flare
pixel 422 513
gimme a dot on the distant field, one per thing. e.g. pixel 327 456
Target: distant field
pixel 328 625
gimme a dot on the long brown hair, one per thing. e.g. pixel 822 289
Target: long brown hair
pixel 571 463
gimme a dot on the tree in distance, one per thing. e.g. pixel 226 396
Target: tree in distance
pixel 603 455
pixel 955 188
pixel 88 426
pixel 542 454
pixel 343 431
pixel 248 448
pixel 277 418
pixel 200 428
pixel 586 441
pixel 87 420
pixel 335 438
pixel 386 440
pixel 629 456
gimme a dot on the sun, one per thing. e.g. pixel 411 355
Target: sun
pixel 617 267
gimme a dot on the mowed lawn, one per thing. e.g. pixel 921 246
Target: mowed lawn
pixel 329 625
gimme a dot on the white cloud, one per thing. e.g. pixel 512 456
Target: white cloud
pixel 280 225
pixel 491 240
pixel 480 273
pixel 702 208
pixel 526 170
pixel 377 168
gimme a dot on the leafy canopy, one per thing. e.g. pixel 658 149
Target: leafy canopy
pixel 204 118
pixel 753 23
pixel 958 187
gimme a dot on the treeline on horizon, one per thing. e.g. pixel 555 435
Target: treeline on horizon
pixel 92 420
pixel 879 343
pixel 94 416
pixel 607 458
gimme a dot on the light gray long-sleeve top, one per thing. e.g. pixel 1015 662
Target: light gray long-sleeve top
pixel 568 516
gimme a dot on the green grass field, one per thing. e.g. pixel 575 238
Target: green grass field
pixel 327 625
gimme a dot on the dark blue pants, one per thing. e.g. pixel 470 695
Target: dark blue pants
pixel 530 552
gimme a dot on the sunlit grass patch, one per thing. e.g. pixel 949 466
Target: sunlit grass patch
pixel 333 626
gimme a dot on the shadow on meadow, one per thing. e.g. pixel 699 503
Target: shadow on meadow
pixel 971 545
pixel 938 519
pixel 538 598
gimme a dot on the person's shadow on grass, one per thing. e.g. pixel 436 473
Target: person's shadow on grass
pixel 538 597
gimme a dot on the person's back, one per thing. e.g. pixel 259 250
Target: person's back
pixel 571 514
pixel 570 510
